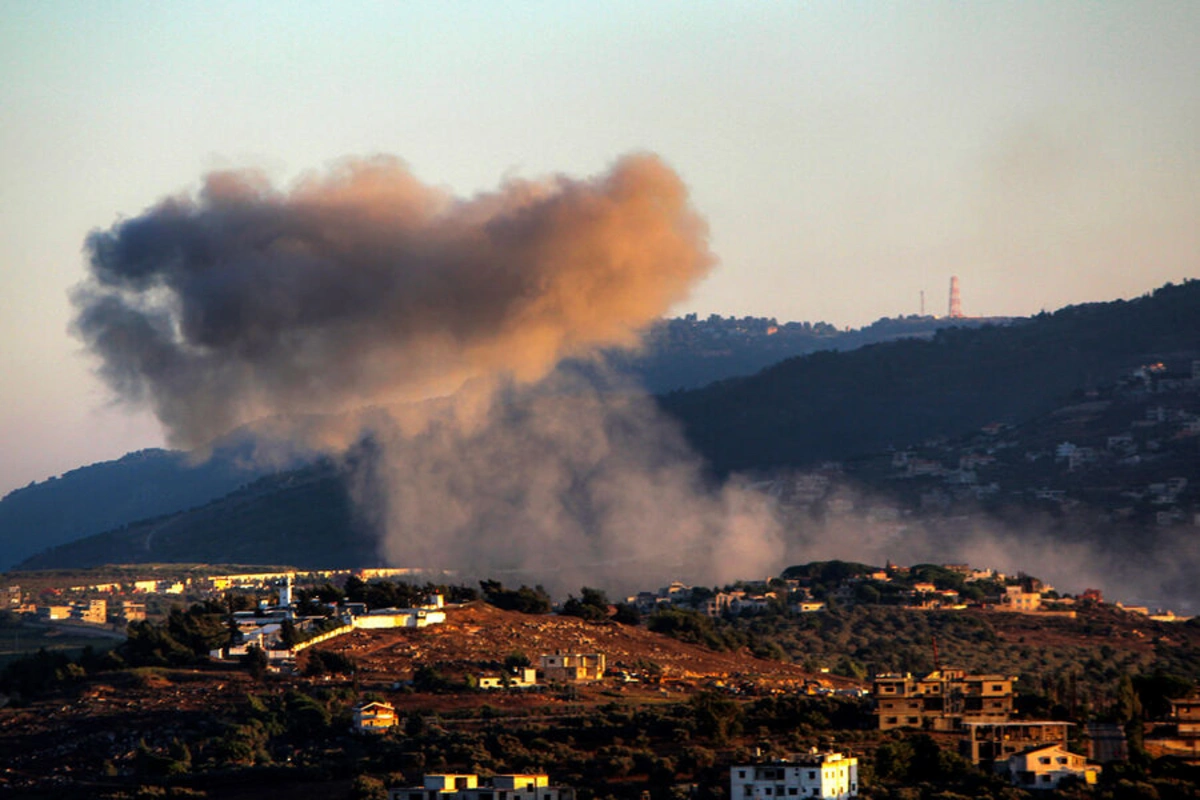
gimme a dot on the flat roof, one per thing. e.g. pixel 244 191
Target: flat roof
pixel 1025 723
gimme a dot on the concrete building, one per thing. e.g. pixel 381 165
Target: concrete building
pixel 399 618
pixel 93 612
pixel 942 700
pixel 1045 767
pixel 51 613
pixel 374 717
pixel 1017 599
pixel 129 611
pixel 521 678
pixel 573 667
pixel 526 786
pixel 989 743
pixel 812 774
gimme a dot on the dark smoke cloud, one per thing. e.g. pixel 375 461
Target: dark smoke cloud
pixel 365 287
pixel 323 314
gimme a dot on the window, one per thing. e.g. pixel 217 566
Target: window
pixel 1044 760
pixel 812 776
pixel 996 687
pixel 792 790
pixel 891 720
pixel 767 791
pixel 741 773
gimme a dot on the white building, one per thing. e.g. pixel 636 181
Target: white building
pixel 466 787
pixel 1047 766
pixel 399 618
pixel 814 774
pixel 520 678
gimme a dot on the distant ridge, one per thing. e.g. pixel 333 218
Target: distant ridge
pixel 834 405
pixel 823 406
pixel 302 517
pixel 101 496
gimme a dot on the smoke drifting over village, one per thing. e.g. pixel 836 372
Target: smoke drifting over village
pixel 360 293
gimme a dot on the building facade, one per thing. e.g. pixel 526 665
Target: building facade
pixel 1044 768
pixel 374 717
pixel 573 667
pixel 814 774
pixel 527 786
pixel 942 700
pixel 990 743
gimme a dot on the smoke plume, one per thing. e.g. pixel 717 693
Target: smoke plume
pixel 364 286
pixel 344 301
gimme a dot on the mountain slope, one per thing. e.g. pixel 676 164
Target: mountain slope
pixel 833 405
pixel 102 496
pixel 303 518
pixel 823 406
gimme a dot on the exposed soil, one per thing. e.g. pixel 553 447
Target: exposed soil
pixel 477 637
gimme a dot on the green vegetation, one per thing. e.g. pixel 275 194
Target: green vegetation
pixel 817 407
pixel 592 606
pixel 525 600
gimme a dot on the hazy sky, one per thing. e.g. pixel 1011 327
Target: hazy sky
pixel 846 155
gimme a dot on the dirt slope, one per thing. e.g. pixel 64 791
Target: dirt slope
pixel 478 635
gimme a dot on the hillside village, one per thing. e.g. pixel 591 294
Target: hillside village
pixel 1127 451
pixel 414 651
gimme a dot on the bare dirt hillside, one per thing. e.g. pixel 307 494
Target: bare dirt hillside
pixel 478 636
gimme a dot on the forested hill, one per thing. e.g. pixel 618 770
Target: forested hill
pixel 832 405
pixel 102 496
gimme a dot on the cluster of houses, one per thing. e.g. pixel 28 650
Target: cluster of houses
pixel 828 775
pixel 980 709
pixel 265 626
pixel 940 473
pixel 1020 594
pixel 92 611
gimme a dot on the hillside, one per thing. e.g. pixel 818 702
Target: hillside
pixel 478 636
pixel 102 496
pixel 687 353
pixel 834 405
pixel 847 407
pixel 303 517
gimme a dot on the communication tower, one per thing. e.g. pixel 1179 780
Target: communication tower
pixel 955 300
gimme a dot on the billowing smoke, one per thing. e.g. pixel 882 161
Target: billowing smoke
pixel 1155 568
pixel 357 293
pixel 565 486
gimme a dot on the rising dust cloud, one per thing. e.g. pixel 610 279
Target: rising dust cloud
pixel 361 302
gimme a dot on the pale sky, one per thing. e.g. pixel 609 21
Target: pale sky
pixel 846 155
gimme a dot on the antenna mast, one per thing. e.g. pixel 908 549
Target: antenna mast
pixel 955 300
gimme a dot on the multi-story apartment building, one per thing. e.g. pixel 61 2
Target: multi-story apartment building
pixel 813 774
pixel 942 700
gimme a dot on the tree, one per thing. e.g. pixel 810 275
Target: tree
pixel 525 600
pixel 516 660
pixel 627 615
pixel 367 788
pixel 593 606
pixel 718 717
pixel 256 661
